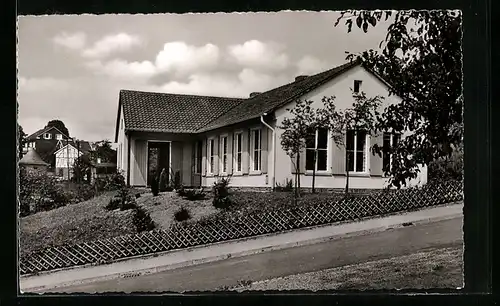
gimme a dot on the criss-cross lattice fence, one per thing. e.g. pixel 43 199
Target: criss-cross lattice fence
pixel 233 227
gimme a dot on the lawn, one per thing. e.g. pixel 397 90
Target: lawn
pixel 73 223
pixel 436 268
pixel 162 207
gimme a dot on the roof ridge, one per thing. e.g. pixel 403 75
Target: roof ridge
pixel 180 94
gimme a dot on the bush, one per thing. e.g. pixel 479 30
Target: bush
pixel 288 187
pixel 449 168
pixel 85 192
pixel 182 214
pixel 181 192
pixel 221 193
pixel 163 180
pixel 194 194
pixel 142 220
pixel 114 203
pixel 154 186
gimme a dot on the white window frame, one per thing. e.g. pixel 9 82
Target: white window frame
pixel 365 152
pixel 236 152
pixel 210 157
pixel 316 152
pixel 391 142
pixel 223 138
pixel 253 149
pixel 45 136
pixel 59 136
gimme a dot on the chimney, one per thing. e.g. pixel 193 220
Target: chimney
pixel 253 94
pixel 300 78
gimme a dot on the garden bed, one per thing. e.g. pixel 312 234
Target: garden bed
pixel 74 223
pixel 163 207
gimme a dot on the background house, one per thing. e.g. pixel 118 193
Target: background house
pixel 207 137
pixel 32 161
pixel 44 142
pixel 66 156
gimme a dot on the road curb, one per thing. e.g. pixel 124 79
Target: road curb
pixel 136 262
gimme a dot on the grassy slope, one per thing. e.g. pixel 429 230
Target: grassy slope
pixel 73 224
pixel 438 268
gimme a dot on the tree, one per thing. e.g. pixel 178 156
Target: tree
pixel 21 140
pixel 421 58
pixel 58 124
pixel 82 168
pixel 296 129
pixel 102 149
pixel 362 116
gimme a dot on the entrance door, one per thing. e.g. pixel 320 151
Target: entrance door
pixel 158 159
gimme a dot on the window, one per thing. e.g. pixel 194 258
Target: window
pixel 223 154
pixel 47 136
pixel 317 150
pixel 356 151
pixel 211 156
pixel 256 149
pixel 390 140
pixel 238 151
pixel 198 156
pixel 59 136
pixel 357 85
pixel 61 172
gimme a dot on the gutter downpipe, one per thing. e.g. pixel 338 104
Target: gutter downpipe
pixel 273 179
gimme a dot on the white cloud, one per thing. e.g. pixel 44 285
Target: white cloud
pixel 256 54
pixel 41 84
pixel 183 58
pixel 225 85
pixel 311 65
pixel 175 58
pixel 74 41
pixel 112 43
pixel 122 69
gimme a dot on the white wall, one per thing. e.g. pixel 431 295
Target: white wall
pixel 340 87
pixel 123 145
pixel 66 157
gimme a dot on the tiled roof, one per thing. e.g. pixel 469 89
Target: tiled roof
pixel 270 100
pixel 32 158
pixel 41 131
pixel 174 113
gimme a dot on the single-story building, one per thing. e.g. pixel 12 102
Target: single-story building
pixel 204 137
pixel 32 161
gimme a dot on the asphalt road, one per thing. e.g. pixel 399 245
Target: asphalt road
pixel 334 253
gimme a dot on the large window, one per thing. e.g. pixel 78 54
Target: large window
pixel 390 141
pixel 223 154
pixel 356 150
pixel 256 148
pixel 238 151
pixel 198 156
pixel 47 136
pixel 317 150
pixel 210 155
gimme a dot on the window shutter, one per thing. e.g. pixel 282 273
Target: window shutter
pixel 230 153
pixel 215 171
pixel 204 158
pixel 264 149
pixel 375 159
pixel 338 158
pixel 245 139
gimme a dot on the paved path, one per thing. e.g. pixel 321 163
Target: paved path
pixel 335 253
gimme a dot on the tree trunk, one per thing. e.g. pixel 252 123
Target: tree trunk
pixel 298 175
pixel 314 172
pixel 347 176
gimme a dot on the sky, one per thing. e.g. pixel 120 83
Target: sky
pixel 72 67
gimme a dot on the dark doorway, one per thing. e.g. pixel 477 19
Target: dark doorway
pixel 158 159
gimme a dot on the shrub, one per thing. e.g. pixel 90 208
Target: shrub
pixel 142 220
pixel 163 180
pixel 288 187
pixel 154 186
pixel 114 203
pixel 177 180
pixel 448 168
pixel 126 200
pixel 85 192
pixel 194 194
pixel 181 192
pixel 221 193
pixel 182 214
